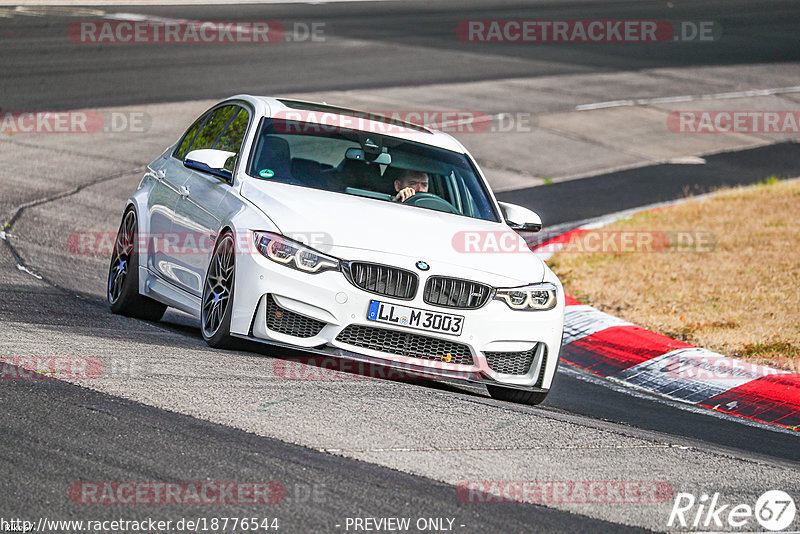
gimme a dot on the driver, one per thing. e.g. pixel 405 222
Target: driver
pixel 409 184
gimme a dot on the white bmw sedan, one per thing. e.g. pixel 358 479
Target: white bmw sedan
pixel 341 233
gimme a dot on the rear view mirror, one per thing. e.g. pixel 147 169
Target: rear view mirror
pixel 520 219
pixel 384 158
pixel 210 161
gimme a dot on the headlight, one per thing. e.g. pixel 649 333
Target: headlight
pixel 533 297
pixel 293 254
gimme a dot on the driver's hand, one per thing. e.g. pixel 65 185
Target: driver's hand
pixel 404 194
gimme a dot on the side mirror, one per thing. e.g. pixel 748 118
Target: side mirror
pixel 210 161
pixel 520 219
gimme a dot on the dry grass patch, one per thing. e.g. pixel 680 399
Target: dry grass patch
pixel 740 298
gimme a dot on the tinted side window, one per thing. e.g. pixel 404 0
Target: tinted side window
pixel 188 137
pixel 231 139
pixel 213 127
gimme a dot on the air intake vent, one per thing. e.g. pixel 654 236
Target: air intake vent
pixel 516 363
pixel 290 323
pixel 406 344
pixel 456 293
pixel 382 279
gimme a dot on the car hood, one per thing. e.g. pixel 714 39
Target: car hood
pixel 343 225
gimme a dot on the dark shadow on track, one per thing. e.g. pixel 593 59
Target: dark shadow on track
pixel 56 436
pixel 577 200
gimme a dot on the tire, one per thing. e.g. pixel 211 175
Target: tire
pixel 217 301
pixel 122 290
pixel 520 396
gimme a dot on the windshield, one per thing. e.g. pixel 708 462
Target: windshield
pixel 369 165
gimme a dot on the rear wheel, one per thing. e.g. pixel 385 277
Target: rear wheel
pixel 519 396
pixel 217 303
pixel 122 291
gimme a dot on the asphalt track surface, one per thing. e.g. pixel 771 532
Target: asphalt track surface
pixel 55 425
pixel 576 200
pixel 367 45
pixel 53 433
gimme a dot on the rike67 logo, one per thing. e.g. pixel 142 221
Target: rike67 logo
pixel 774 511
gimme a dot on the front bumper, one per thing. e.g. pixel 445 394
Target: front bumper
pixel 328 298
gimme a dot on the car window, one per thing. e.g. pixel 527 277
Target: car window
pixel 188 137
pixel 333 159
pixel 213 127
pixel 231 139
pixel 210 125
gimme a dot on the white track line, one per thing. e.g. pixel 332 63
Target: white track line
pixel 688 98
pixel 26 270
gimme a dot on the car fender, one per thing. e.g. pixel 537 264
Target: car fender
pixel 138 202
pixel 554 357
pixel 241 217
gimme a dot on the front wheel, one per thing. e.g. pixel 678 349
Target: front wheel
pixel 217 303
pixel 122 291
pixel 520 396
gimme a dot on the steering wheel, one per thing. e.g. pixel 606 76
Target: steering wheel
pixel 431 202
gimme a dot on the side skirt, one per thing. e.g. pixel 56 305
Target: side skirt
pixel 150 285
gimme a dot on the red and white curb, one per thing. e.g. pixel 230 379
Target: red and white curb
pixel 611 348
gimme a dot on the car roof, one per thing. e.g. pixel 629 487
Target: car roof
pixel 327 115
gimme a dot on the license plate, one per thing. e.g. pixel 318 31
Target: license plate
pixel 445 323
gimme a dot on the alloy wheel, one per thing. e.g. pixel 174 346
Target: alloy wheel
pixel 218 287
pixel 123 250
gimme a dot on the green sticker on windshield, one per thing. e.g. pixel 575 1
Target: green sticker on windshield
pixel 266 173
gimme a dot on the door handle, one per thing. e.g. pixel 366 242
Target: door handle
pixel 184 191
